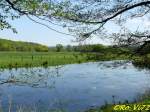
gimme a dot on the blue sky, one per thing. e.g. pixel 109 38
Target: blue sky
pixel 32 32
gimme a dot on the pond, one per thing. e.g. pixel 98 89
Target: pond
pixel 74 87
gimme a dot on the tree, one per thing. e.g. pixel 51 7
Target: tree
pixel 68 48
pixel 83 18
pixel 59 47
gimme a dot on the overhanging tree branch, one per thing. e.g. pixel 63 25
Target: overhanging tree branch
pixel 16 9
pixel 125 9
pixel 85 22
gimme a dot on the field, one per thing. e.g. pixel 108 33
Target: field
pixel 33 59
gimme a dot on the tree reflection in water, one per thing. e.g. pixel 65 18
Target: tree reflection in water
pixel 115 64
pixel 33 77
pixel 125 64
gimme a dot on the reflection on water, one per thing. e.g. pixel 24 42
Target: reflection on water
pixel 33 77
pixel 114 64
pixel 73 87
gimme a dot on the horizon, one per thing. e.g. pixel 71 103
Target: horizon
pixel 43 44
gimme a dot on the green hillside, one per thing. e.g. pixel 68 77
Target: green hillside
pixel 9 45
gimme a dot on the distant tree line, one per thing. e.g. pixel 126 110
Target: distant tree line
pixel 95 48
pixel 8 45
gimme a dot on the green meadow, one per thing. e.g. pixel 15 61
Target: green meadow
pixel 34 59
pixel 27 54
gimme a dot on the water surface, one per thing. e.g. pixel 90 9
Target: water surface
pixel 74 87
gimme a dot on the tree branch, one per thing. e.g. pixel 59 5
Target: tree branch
pixel 16 9
pixel 127 7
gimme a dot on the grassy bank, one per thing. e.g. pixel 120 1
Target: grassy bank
pixel 30 59
pixel 124 107
pixel 142 62
pixel 34 59
pixel 141 104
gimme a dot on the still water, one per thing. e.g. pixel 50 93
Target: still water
pixel 74 87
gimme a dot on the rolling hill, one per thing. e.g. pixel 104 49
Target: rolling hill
pixel 9 45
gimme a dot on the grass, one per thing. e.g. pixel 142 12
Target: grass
pixel 123 107
pixel 34 59
pixel 142 62
pixel 143 99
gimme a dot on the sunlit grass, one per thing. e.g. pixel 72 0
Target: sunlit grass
pixel 30 59
pixel 34 59
pixel 141 100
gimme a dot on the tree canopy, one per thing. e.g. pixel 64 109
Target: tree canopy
pixel 59 47
pixel 83 18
